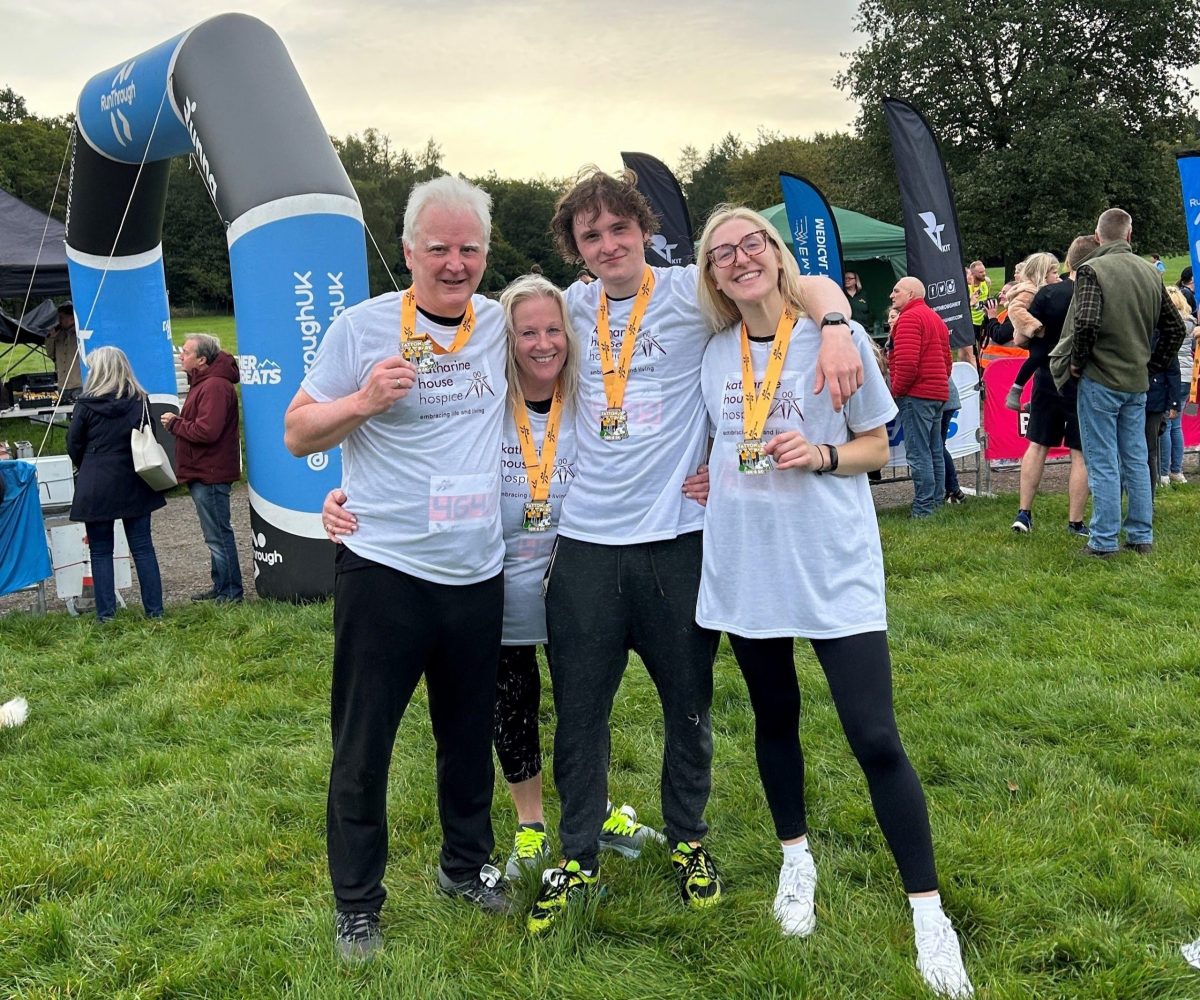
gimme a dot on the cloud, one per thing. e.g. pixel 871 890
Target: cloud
pixel 521 87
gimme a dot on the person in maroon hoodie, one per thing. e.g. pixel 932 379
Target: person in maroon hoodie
pixel 208 455
pixel 920 368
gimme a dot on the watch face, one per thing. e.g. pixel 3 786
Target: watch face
pixel 833 319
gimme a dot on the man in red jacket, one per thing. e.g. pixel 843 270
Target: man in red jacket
pixel 208 455
pixel 919 364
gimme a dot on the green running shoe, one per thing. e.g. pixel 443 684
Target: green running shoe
pixel 530 850
pixel 560 888
pixel 622 832
pixel 699 880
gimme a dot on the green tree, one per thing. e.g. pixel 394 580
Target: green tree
pixel 34 156
pixel 12 106
pixel 521 213
pixel 822 160
pixel 383 178
pixel 710 182
pixel 195 251
pixel 1046 113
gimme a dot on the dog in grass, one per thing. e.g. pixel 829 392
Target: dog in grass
pixel 13 713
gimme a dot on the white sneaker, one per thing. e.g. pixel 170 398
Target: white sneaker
pixel 794 905
pixel 1191 952
pixel 1164 480
pixel 939 960
pixel 13 713
pixel 1178 477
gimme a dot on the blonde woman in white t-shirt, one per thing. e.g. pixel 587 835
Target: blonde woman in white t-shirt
pixel 789 504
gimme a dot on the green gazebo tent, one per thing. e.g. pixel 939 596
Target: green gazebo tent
pixel 874 249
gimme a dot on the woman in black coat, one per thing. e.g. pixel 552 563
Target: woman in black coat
pixel 107 487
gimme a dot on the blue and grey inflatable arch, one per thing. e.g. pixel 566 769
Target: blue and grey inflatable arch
pixel 226 93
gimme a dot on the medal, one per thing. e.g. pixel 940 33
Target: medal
pixel 614 424
pixel 420 354
pixel 420 350
pixel 752 458
pixel 537 515
pixel 538 466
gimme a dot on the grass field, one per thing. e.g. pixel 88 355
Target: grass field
pixel 165 819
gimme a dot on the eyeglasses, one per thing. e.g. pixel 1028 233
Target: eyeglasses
pixel 752 244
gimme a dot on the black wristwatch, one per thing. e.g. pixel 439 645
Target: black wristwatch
pixel 834 319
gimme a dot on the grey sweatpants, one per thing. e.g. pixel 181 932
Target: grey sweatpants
pixel 601 602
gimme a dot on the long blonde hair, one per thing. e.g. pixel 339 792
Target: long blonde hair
pixel 110 374
pixel 1039 267
pixel 717 308
pixel 534 286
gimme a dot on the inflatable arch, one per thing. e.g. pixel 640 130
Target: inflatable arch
pixel 226 93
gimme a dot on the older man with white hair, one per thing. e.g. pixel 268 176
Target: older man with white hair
pixel 919 364
pixel 412 386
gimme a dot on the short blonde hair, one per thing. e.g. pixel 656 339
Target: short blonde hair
pixel 716 307
pixel 534 286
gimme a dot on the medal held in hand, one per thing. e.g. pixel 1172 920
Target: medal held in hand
pixel 419 353
pixel 419 350
pixel 538 465
pixel 614 421
pixel 614 424
pixel 752 457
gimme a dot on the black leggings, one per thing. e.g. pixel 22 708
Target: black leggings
pixel 859 671
pixel 515 726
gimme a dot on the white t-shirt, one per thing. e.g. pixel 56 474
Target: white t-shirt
pixel 787 552
pixel 527 552
pixel 422 476
pixel 631 491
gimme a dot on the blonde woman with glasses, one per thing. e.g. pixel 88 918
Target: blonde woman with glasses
pixel 791 549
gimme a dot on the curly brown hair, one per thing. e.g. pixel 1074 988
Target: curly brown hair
pixel 593 192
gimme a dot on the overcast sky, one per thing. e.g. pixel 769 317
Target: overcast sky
pixel 522 87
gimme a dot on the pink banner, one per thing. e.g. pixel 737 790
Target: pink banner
pixel 1004 428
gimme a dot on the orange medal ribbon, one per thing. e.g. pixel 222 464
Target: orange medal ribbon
pixel 756 406
pixel 538 467
pixel 616 377
pixel 408 326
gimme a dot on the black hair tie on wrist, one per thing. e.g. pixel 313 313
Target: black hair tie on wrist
pixel 833 461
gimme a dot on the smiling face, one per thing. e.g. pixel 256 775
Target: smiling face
pixel 539 346
pixel 614 249
pixel 447 258
pixel 749 279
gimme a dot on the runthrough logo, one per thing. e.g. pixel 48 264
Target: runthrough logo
pixel 120 92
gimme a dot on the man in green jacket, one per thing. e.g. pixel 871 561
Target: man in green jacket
pixel 1119 303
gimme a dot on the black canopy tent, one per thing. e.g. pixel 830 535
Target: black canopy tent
pixel 32 247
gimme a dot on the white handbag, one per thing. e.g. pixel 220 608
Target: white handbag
pixel 150 459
